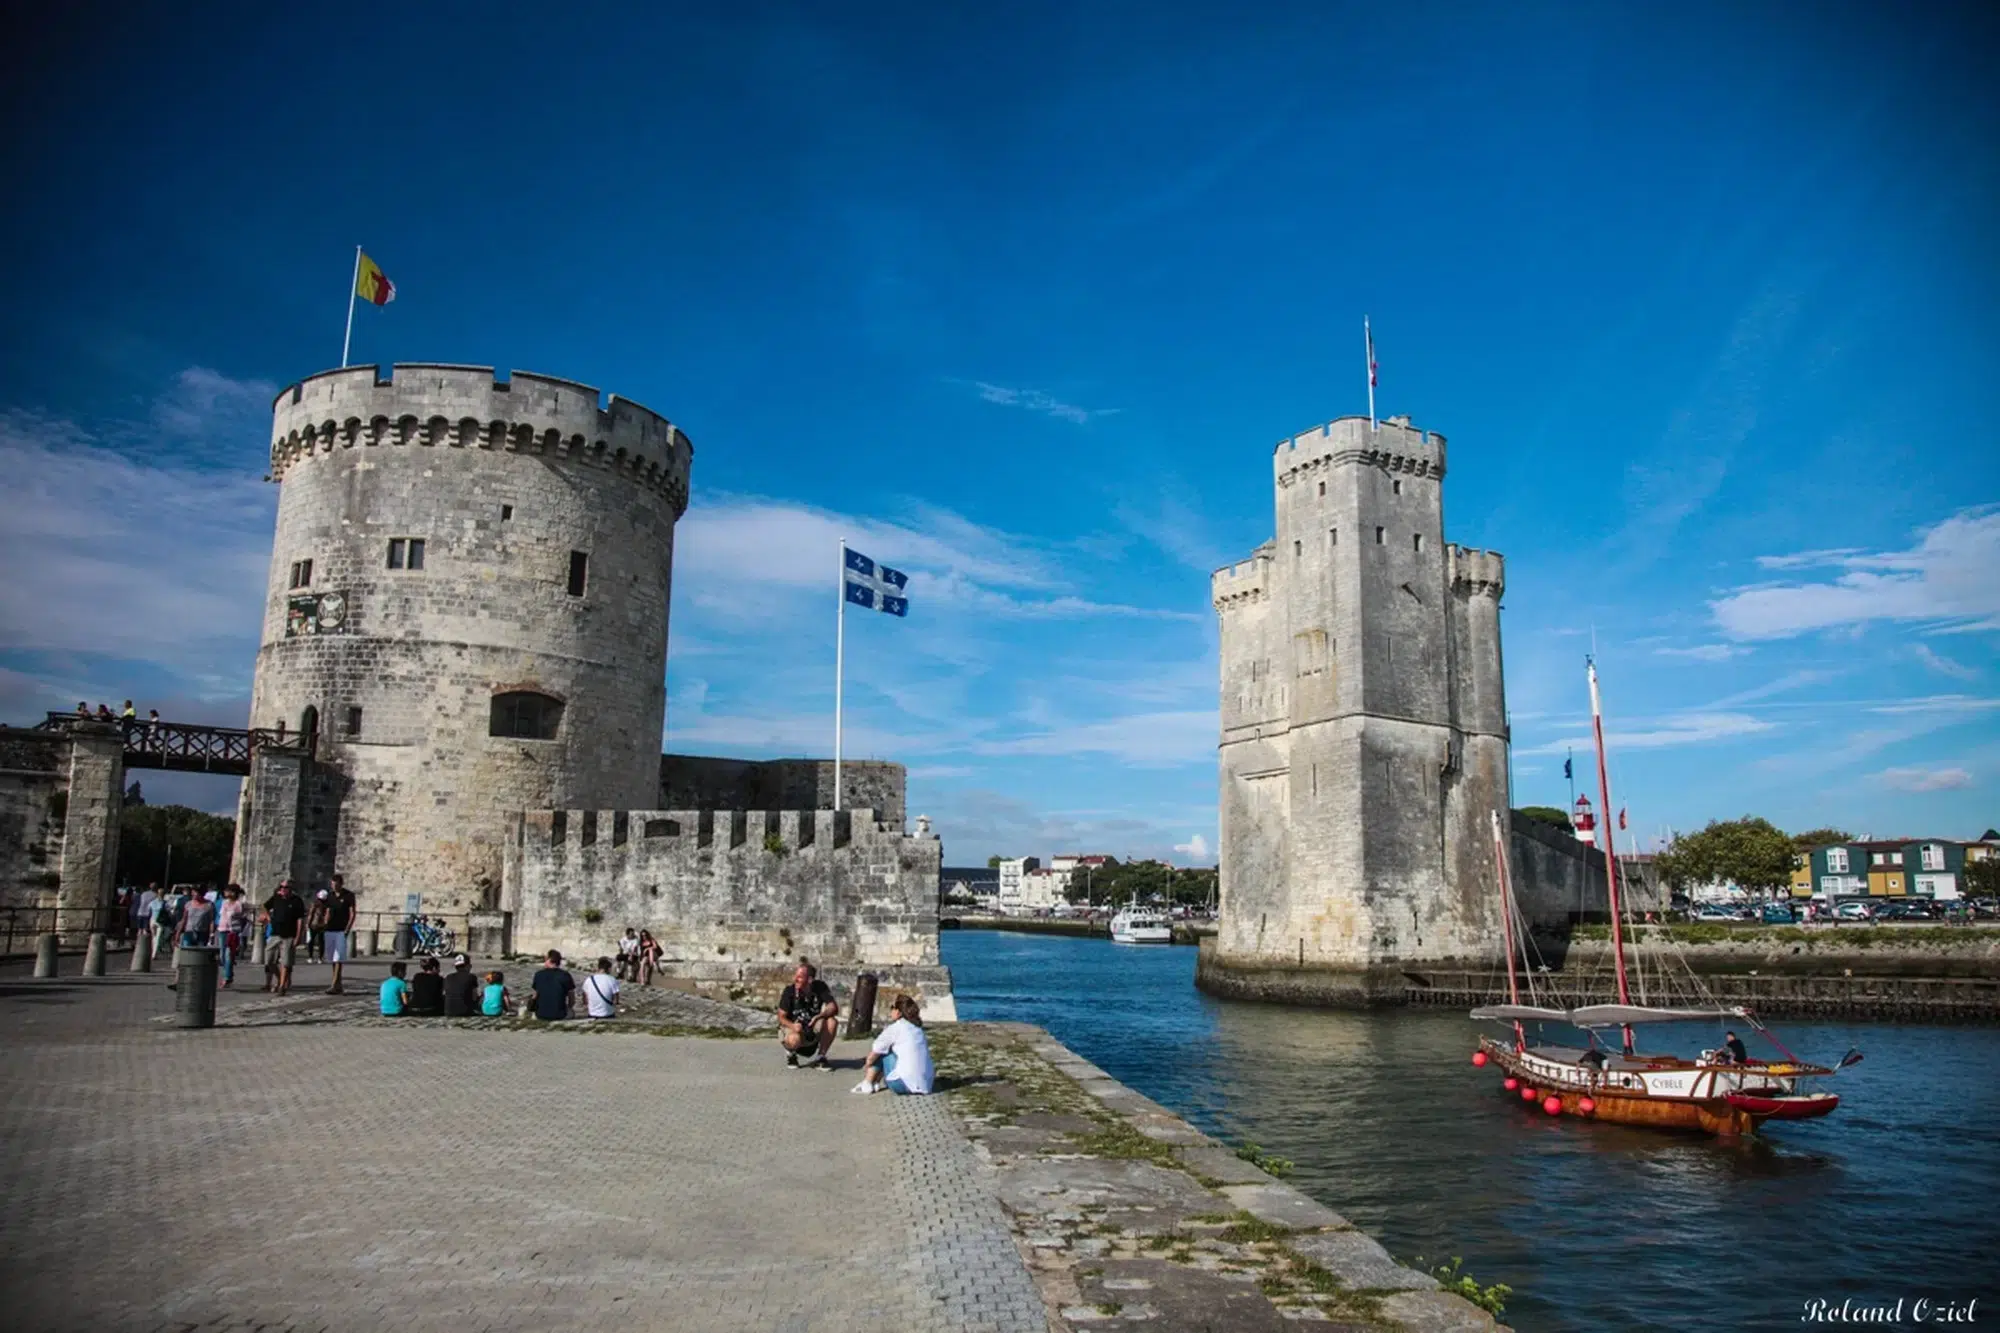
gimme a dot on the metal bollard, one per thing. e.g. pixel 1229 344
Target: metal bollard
pixel 45 955
pixel 142 952
pixel 194 987
pixel 861 1017
pixel 93 955
pixel 371 943
pixel 257 949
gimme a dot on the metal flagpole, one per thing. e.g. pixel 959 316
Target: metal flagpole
pixel 353 283
pixel 839 663
pixel 1367 359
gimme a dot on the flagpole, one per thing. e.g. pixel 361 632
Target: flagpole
pixel 1367 362
pixel 352 284
pixel 839 661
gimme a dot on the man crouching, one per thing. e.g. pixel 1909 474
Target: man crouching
pixel 807 1018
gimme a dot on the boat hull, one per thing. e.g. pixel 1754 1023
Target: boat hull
pixel 1724 1113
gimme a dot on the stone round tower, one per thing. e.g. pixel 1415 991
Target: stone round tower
pixel 468 609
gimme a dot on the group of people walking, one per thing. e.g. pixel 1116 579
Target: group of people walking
pixel 225 920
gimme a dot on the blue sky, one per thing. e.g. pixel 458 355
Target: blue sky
pixel 1703 298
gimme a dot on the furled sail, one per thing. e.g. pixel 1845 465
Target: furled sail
pixel 1521 1013
pixel 1618 1015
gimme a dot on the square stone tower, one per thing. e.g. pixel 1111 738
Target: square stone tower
pixel 1364 733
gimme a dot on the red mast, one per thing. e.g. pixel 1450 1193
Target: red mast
pixel 1610 853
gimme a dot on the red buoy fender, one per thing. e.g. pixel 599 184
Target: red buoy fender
pixel 1510 1083
pixel 1554 1105
pixel 1527 1094
pixel 1478 1058
pixel 1586 1106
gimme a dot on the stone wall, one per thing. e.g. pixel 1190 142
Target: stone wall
pixel 700 782
pixel 397 669
pixel 733 896
pixel 34 788
pixel 1559 881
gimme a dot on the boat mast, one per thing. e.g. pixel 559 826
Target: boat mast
pixel 1610 852
pixel 1506 909
pixel 1507 924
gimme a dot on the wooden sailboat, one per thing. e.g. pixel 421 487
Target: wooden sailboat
pixel 1712 1092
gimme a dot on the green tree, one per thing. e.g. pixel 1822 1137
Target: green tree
pixel 1820 837
pixel 992 863
pixel 202 844
pixel 1982 878
pixel 1547 814
pixel 1752 853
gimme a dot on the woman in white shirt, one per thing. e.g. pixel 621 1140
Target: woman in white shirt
pixel 900 1059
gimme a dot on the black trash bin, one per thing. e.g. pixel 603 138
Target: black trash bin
pixel 406 939
pixel 195 972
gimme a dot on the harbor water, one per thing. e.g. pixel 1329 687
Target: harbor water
pixel 1894 1196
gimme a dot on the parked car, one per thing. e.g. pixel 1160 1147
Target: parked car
pixel 1906 909
pixel 1855 912
pixel 1777 914
pixel 1716 912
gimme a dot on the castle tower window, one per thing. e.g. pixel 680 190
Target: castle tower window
pixel 506 512
pixel 1378 536
pixel 1396 486
pixel 1322 488
pixel 1333 536
pixel 1298 548
pixel 525 715
pixel 406 553
pixel 579 573
pixel 1416 541
pixel 302 573
pixel 354 721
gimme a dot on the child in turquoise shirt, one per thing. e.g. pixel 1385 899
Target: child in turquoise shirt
pixel 493 999
pixel 396 991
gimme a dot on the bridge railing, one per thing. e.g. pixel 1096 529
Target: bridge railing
pixel 184 745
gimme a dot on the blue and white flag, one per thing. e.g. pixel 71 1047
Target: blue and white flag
pixel 877 587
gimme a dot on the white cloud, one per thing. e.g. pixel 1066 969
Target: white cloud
pixel 1925 779
pixel 160 558
pixel 1034 400
pixel 1683 729
pixel 1944 665
pixel 1141 739
pixel 1195 849
pixel 732 551
pixel 1704 652
pixel 1939 703
pixel 1952 574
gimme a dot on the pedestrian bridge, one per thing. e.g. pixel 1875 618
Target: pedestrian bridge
pixel 187 747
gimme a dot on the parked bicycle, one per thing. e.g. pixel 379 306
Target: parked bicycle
pixel 431 938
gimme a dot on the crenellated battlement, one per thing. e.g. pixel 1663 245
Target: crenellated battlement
pixel 1243 583
pixel 721 830
pixel 1481 573
pixel 466 407
pixel 1394 444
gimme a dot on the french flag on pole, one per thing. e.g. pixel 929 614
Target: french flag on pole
pixel 877 587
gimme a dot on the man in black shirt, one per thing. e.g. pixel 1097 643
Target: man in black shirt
pixel 286 913
pixel 461 989
pixel 807 1018
pixel 427 990
pixel 1739 1054
pixel 553 988
pixel 340 913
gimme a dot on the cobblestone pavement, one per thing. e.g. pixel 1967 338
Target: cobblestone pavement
pixel 344 1176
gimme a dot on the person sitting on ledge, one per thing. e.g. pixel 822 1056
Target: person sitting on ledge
pixel 427 990
pixel 461 989
pixel 900 1059
pixel 396 991
pixel 807 1018
pixel 554 989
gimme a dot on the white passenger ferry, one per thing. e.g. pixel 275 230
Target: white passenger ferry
pixel 1136 925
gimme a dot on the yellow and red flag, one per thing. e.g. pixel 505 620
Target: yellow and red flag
pixel 371 284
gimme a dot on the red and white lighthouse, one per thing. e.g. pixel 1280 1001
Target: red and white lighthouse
pixel 1584 820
